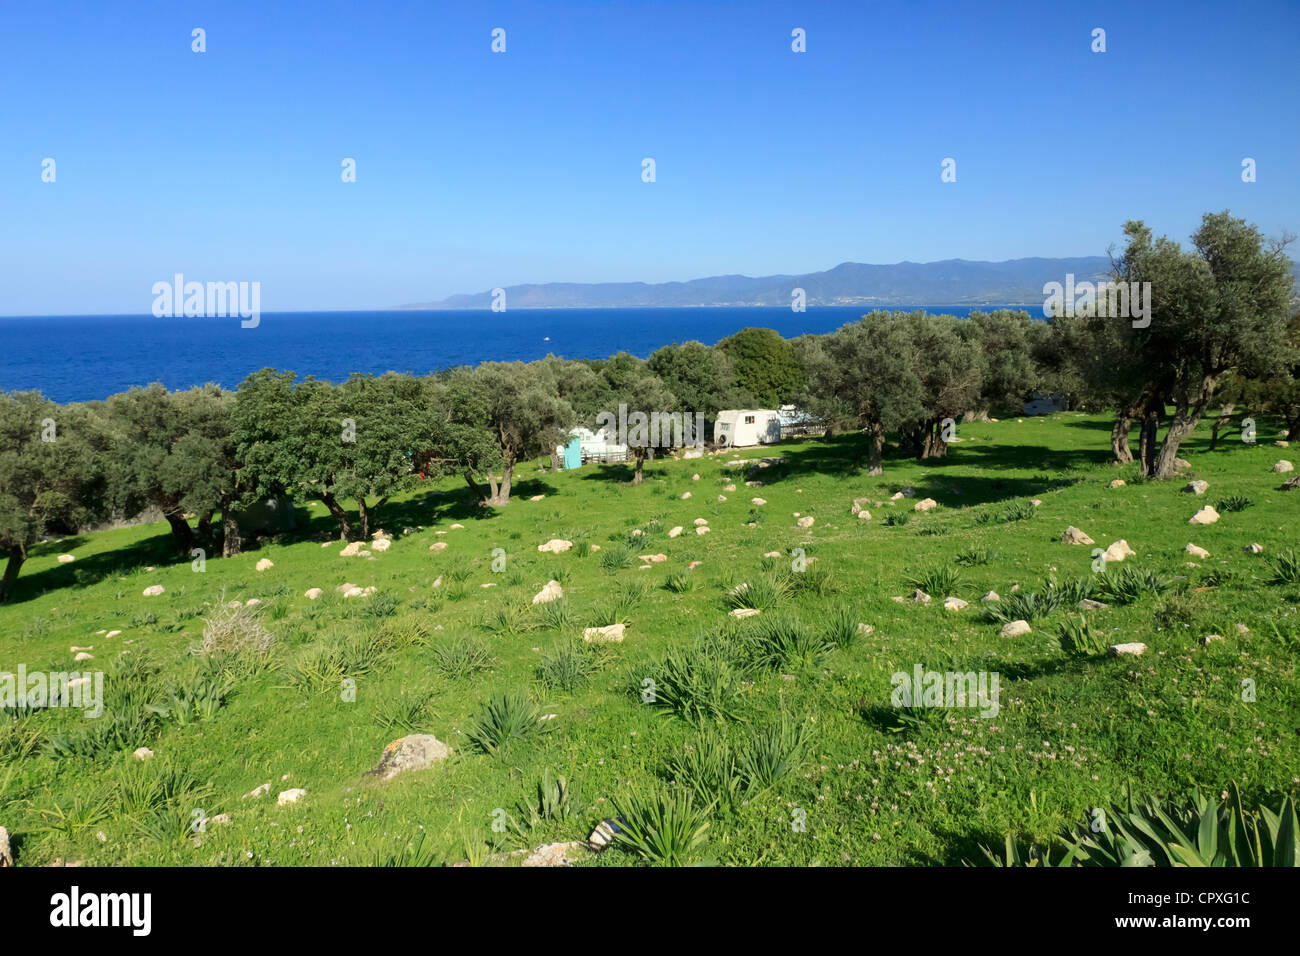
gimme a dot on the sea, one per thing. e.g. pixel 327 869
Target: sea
pixel 75 358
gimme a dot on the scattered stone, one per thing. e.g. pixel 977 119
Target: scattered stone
pixel 382 544
pixel 610 632
pixel 1291 484
pixel 1206 515
pixel 700 522
pixel 412 752
pixel 1073 535
pixel 654 558
pixel 771 554
pixel 74 648
pixel 1242 629
pixel 1181 463
pixel 112 633
pixel 265 564
pixel 1133 649
pixel 1118 551
pixel 256 792
pixel 702 530
pixel 1254 548
pixel 1088 604
pixel 345 588
pixel 695 477
pixel 537 497
pixel 1196 552
pixel 456 527
pixel 693 565
pixel 556 854
pixel 1015 629
pixel 1283 466
pixel 743 612
pixel 685 495
pixel 954 604
pixel 287 797
pixel 1036 502
pixel 1117 483
pixel 142 753
pixel 490 584
pixel 925 504
pixel 352 549
pixel 920 597
pixel 1282 444
pixel 6 854
pixel 990 597
pixel 438 546
pixel 722 497
pixel 604 834
pixel 83 656
pixel 806 521
pixel 859 504
pixel 550 592
pixel 729 487
pixel 1197 487
pixel 758 501
pixel 675 531
pixel 252 602
pixel 153 590
pixel 65 559
pixel 312 594
pixel 555 546
pixel 866 630
pixel 1211 638
pixel 864 515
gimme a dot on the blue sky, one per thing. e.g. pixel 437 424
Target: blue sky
pixel 477 170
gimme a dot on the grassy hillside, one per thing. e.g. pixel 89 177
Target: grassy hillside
pixel 870 785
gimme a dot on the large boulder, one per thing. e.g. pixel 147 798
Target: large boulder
pixel 1206 515
pixel 1197 487
pixel 1073 535
pixel 550 592
pixel 925 504
pixel 1283 466
pixel 412 752
pixel 611 632
pixel 1119 550
pixel 1015 629
pixel 555 546
pixel 1196 551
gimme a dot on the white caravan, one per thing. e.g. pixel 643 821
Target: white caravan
pixel 743 427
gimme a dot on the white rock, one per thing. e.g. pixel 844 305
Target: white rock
pixel 555 546
pixel 1118 551
pixel 702 530
pixel 1015 629
pixel 352 549
pixel 83 656
pixel 866 629
pixel 675 531
pixel 311 594
pixel 1118 483
pixel 1073 535
pixel 382 544
pixel 1196 552
pixel 1088 604
pixel 412 752
pixel 1283 466
pixel 925 504
pixel 685 495
pixel 742 612
pixel 806 521
pixel 695 477
pixel 654 558
pixel 287 797
pixel 699 522
pixel 1134 649
pixel 252 602
pixel 354 592
pixel 438 546
pixel 920 597
pixel 758 501
pixel 722 497
pixel 142 753
pixel 1206 515
pixel 153 590
pixel 953 604
pixel 556 854
pixel 549 593
pixel 256 792
pixel 65 559
pixel 611 632
pixel 112 633
pixel 1254 548
pixel 1197 487
pixel 990 597
pixel 537 497
pixel 265 564
pixel 1211 638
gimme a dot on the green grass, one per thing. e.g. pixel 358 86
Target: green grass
pixel 315 689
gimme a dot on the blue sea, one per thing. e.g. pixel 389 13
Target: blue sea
pixel 85 357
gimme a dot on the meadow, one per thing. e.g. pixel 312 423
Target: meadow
pixel 777 729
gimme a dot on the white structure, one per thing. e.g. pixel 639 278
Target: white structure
pixel 740 428
pixel 1045 404
pixel 601 445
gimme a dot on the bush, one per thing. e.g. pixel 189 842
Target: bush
pixel 764 593
pixel 783 642
pixel 973 556
pixel 462 657
pixel 662 826
pixel 708 768
pixel 1078 639
pixel 840 626
pixel 695 684
pixel 506 719
pixel 1019 511
pixel 1286 569
pixel 771 754
pixel 1130 583
pixel 567 667
pixel 236 630
pixel 940 581
pixel 1233 503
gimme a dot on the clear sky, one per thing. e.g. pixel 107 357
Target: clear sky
pixel 477 169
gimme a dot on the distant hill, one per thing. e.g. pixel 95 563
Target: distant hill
pixel 950 282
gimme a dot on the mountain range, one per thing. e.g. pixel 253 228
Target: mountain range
pixel 948 282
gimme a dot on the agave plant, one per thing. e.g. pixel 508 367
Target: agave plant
pixel 662 826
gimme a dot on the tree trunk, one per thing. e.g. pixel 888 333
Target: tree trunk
pixel 875 444
pixel 500 496
pixel 365 518
pixel 229 532
pixel 1152 412
pixel 17 556
pixel 934 446
pixel 1119 437
pixel 1185 420
pixel 205 524
pixel 340 515
pixel 638 475
pixel 181 531
pixel 1223 418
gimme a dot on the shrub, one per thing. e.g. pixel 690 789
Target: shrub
pixel 1130 583
pixel 708 768
pixel 680 582
pixel 662 826
pixel 771 754
pixel 1024 606
pixel 783 642
pixel 1286 568
pixel 616 558
pixel 814 579
pixel 840 626
pixel 1019 511
pixel 765 592
pixel 506 719
pixel 567 667
pixel 236 630
pixel 897 519
pixel 1233 503
pixel 554 615
pixel 973 556
pixel 940 580
pixel 1078 639
pixel 462 657
pixel 695 684
pixel 406 712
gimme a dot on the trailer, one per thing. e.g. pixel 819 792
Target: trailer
pixel 745 427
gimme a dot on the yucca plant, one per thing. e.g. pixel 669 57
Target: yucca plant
pixel 1024 606
pixel 1078 639
pixel 554 803
pixel 771 753
pixel 1285 568
pixel 975 556
pixel 897 519
pixel 462 657
pixel 940 580
pixel 1233 503
pixel 661 825
pixel 406 712
pixel 695 684
pixel 566 667
pixel 506 719
pixel 554 615
pixel 1019 511
pixel 840 626
pixel 763 593
pixel 1130 583
pixel 814 579
pixel 708 767
pixel 681 582
pixel 781 641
